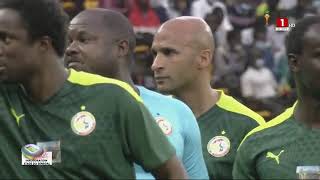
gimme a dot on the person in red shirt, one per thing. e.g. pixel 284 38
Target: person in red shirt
pixel 142 15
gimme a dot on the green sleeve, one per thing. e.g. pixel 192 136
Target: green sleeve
pixel 244 165
pixel 144 141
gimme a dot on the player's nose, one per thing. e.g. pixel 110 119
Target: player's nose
pixel 157 63
pixel 72 49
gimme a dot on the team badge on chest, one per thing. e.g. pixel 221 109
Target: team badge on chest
pixel 165 125
pixel 83 123
pixel 218 146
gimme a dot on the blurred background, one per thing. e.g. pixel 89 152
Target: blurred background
pixel 250 60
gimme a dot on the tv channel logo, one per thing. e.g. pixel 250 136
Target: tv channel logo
pixel 282 24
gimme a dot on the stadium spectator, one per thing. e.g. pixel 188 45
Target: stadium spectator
pixel 179 8
pixel 122 6
pixel 114 60
pixel 302 9
pixel 72 7
pixel 89 127
pixel 201 8
pixel 215 20
pixel 258 81
pixel 143 17
pixel 89 4
pixel 160 9
pixel 288 146
pixel 242 14
pixel 263 44
pixel 285 5
pixel 141 72
pixel 230 61
pixel 183 49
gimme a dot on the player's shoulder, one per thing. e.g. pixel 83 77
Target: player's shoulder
pixel 166 100
pixel 151 94
pixel 104 84
pixel 271 129
pixel 231 105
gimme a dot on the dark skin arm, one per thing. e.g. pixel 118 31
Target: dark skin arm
pixel 171 169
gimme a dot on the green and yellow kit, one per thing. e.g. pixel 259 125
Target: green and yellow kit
pixel 222 129
pixel 94 127
pixel 279 149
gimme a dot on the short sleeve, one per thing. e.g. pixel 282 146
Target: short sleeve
pixel 143 140
pixel 244 166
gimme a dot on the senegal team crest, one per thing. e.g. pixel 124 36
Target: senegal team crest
pixel 164 125
pixel 83 123
pixel 219 146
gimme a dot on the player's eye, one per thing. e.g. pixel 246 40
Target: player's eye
pixel 69 41
pixel 5 38
pixel 84 40
pixel 154 53
pixel 168 52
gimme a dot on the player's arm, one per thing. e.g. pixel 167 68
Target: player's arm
pixel 193 160
pixel 145 143
pixel 168 170
pixel 244 166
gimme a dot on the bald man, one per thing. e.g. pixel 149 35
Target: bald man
pixel 183 49
pixel 103 42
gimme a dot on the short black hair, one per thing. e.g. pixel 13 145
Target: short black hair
pixel 218 12
pixel 294 41
pixel 117 22
pixel 42 18
pixel 118 25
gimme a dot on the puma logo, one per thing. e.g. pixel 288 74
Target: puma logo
pixel 275 157
pixel 17 117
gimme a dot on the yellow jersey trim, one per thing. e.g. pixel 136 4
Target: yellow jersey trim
pixel 230 104
pixel 277 120
pixel 87 79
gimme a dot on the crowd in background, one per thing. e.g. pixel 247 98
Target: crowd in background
pixel 250 61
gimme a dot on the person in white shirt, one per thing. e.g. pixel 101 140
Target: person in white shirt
pixel 201 8
pixel 257 81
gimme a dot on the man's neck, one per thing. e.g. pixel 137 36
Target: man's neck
pixel 307 111
pixel 125 76
pixel 45 83
pixel 199 99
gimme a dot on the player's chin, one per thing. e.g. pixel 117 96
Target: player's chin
pixel 162 88
pixel 76 66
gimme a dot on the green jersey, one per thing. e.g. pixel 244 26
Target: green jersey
pixel 278 150
pixel 222 129
pixel 11 142
pixel 94 127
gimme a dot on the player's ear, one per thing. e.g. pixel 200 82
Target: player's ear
pixel 44 43
pixel 123 47
pixel 205 58
pixel 294 62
